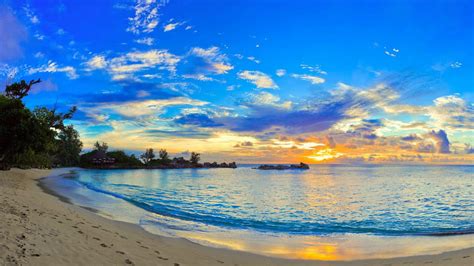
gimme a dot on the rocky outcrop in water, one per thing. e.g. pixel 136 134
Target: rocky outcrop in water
pixel 301 166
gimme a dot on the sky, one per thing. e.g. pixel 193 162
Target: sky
pixel 253 81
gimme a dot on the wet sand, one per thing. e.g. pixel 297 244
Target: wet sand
pixel 37 228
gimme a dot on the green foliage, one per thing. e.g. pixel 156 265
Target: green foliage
pixel 164 155
pixel 147 156
pixel 18 90
pixel 33 139
pixel 195 158
pixel 69 147
pixel 123 160
pixel 101 147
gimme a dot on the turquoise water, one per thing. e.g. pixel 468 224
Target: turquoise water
pixel 325 200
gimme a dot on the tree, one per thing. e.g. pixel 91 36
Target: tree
pixel 18 90
pixel 101 147
pixel 195 157
pixel 147 156
pixel 69 147
pixel 53 119
pixel 28 139
pixel 164 155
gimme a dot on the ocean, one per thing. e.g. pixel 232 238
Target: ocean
pixel 356 209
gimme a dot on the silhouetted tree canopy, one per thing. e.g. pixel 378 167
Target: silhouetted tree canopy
pixel 18 90
pixel 101 147
pixel 34 138
pixel 195 158
pixel 148 156
pixel 164 155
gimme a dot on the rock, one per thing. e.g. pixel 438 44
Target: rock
pixel 301 166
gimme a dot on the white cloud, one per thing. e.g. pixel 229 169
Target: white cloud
pixel 280 72
pixel 253 59
pixel 52 67
pixel 267 99
pixel 141 108
pixel 39 55
pixel 96 62
pixel 232 87
pixel 39 36
pixel 215 62
pixel 312 79
pixel 316 69
pixel 125 66
pixel 452 112
pixel 146 16
pixel 456 64
pixel 260 79
pixel 200 77
pixel 147 41
pixel 390 54
pixel 172 26
pixel 31 15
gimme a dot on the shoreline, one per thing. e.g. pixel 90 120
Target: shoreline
pixel 74 230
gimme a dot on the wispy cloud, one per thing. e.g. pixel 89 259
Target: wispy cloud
pixel 146 17
pixel 200 63
pixel 280 72
pixel 52 67
pixel 127 65
pixel 312 79
pixel 31 14
pixel 260 79
pixel 316 69
pixel 147 41
pixel 96 62
pixel 172 26
pixel 392 53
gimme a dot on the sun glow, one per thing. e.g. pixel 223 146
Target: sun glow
pixel 326 154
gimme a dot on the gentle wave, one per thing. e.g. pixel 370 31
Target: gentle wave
pixel 177 201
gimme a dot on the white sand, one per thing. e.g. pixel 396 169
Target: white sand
pixel 37 228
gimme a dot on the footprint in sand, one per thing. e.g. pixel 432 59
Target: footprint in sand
pixel 127 261
pixel 104 245
pixel 120 252
pixel 96 238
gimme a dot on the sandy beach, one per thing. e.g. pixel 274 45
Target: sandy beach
pixel 36 228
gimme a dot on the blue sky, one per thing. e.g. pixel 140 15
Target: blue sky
pixel 318 81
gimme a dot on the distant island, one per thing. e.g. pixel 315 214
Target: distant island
pixel 301 166
pixel 100 158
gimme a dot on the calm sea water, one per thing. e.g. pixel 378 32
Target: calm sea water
pixel 394 201
pixel 388 200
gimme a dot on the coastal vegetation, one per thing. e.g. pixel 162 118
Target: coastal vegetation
pixel 39 138
pixel 101 158
pixel 34 138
